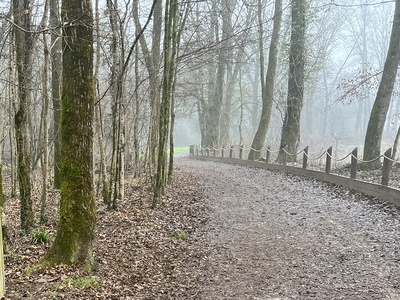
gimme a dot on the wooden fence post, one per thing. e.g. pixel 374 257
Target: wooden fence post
pixel 201 151
pixel 386 166
pixel 241 151
pixel 191 149
pixel 222 152
pixel 268 154
pixel 208 151
pixel 354 162
pixel 305 157
pixel 214 152
pixel 231 152
pixel 328 160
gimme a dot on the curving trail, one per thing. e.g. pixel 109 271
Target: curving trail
pixel 276 236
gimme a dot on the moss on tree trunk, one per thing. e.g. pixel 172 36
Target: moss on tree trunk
pixel 75 233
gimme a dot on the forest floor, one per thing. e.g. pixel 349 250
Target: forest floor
pixel 142 253
pixel 224 232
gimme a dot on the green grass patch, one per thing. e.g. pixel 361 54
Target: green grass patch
pixel 181 150
pixel 82 282
pixel 40 236
pixel 92 282
pixel 52 294
pixel 12 257
pixel 180 235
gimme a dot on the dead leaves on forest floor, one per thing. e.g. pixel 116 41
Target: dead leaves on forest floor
pixel 142 253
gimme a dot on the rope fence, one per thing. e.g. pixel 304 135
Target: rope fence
pixel 307 160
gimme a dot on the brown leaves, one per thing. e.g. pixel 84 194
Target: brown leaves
pixel 359 86
pixel 142 254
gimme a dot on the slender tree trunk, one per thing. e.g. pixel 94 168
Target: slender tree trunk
pixel 3 197
pixel 267 84
pixel 23 47
pixel 396 143
pixel 255 95
pixel 171 141
pixel 176 41
pixel 44 121
pixel 291 126
pixel 373 137
pixel 56 70
pixel 241 110
pixel 152 62
pixel 118 111
pixel 76 227
pixel 11 132
pixel 99 119
pixel 170 42
pixel 102 165
pixel 136 143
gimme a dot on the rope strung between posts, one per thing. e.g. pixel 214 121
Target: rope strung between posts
pixel 339 159
pixel 361 161
pixel 315 158
pixel 291 154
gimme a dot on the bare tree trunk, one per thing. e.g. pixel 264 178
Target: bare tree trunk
pixel 214 117
pixel 170 43
pixel 98 118
pixel 176 41
pixel 118 111
pixel 291 125
pixel 2 196
pixel 11 133
pixel 23 47
pixel 44 134
pixel 56 70
pixel 136 144
pixel 267 84
pixel 152 62
pixel 396 143
pixel 373 137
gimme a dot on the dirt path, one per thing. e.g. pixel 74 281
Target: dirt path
pixel 272 236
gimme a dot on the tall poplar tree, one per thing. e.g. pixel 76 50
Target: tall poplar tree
pixel 75 233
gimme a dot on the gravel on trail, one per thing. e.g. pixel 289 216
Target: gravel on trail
pixel 271 235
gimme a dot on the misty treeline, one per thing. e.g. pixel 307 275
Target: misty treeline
pixel 249 72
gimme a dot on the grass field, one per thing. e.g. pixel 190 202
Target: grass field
pixel 181 150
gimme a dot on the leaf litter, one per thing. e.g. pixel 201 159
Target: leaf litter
pixel 142 253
